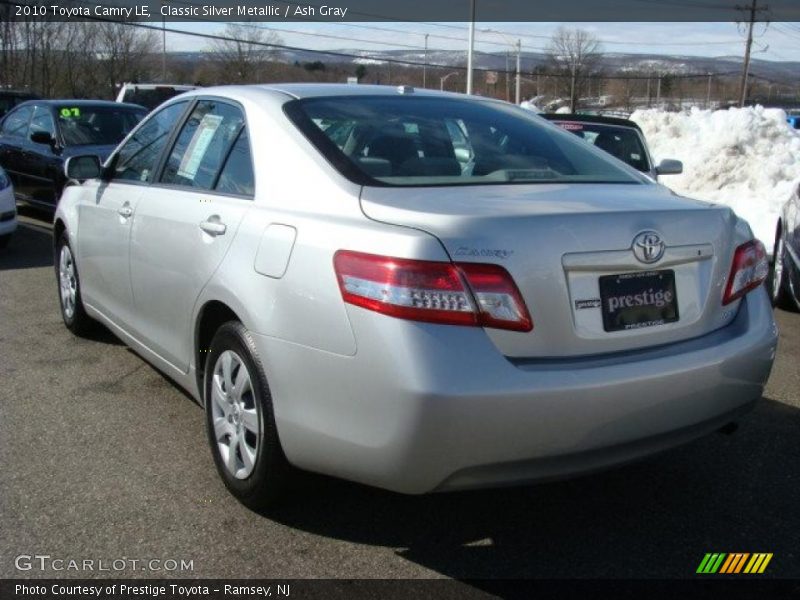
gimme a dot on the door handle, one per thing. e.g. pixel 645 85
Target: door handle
pixel 213 227
pixel 125 211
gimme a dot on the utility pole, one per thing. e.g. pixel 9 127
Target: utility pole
pixel 708 92
pixel 471 44
pixel 573 102
pixel 163 49
pixel 658 92
pixel 508 81
pixel 425 65
pixel 751 20
pixel 519 74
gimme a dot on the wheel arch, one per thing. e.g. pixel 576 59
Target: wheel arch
pixel 59 227
pixel 211 316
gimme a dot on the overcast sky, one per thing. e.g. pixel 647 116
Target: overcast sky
pixel 776 41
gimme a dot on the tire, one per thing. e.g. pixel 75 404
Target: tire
pixel 778 283
pixel 240 421
pixel 69 290
pixel 4 239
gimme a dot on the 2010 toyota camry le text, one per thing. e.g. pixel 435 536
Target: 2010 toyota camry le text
pixel 414 290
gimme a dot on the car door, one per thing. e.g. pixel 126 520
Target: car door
pixel 185 223
pixel 14 146
pixel 43 161
pixel 106 215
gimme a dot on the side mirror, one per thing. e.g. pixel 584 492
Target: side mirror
pixel 83 167
pixel 43 137
pixel 669 166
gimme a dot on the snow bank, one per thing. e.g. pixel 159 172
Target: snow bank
pixel 746 158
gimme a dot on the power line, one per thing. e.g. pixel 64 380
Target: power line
pixel 464 30
pixel 280 46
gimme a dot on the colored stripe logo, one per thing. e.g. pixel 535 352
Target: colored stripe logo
pixel 734 563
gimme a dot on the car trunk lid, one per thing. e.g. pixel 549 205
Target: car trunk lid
pixel 558 241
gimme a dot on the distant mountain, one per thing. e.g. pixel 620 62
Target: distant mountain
pixel 613 63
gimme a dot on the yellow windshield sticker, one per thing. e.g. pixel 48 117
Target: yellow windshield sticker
pixel 70 112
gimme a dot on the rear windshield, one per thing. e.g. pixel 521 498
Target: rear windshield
pixel 96 125
pixel 417 141
pixel 622 142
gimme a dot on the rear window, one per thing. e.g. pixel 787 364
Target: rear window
pixel 418 141
pixel 623 143
pixel 84 124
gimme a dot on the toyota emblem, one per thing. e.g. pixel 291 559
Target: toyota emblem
pixel 648 247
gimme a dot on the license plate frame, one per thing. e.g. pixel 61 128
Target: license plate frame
pixel 638 300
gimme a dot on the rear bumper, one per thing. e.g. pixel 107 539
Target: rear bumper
pixel 424 407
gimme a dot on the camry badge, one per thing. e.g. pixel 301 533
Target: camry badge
pixel 648 247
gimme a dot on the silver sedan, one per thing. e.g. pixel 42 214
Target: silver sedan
pixel 413 290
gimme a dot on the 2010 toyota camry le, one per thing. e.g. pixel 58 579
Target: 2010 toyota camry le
pixel 414 290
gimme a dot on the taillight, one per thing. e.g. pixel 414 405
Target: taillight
pixel 437 292
pixel 749 270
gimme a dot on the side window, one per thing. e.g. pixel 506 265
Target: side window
pixel 203 145
pixel 16 123
pixel 237 174
pixel 137 158
pixel 43 121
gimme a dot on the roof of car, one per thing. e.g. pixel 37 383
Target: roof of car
pixel 578 118
pixel 320 90
pixel 84 102
pixel 78 103
pixel 18 93
pixel 184 86
pixel 312 90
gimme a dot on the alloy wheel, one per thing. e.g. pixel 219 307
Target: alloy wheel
pixel 237 426
pixel 67 281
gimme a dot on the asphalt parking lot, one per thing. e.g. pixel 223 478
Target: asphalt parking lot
pixel 102 457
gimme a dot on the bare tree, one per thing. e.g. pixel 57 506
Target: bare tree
pixel 241 56
pixel 125 53
pixel 574 54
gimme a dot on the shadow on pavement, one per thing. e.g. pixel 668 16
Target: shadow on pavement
pixel 655 518
pixel 31 246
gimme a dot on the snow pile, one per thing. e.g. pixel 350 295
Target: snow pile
pixel 530 105
pixel 746 158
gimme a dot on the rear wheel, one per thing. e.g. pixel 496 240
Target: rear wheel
pixel 69 290
pixel 240 421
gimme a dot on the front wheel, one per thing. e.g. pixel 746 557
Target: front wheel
pixel 4 239
pixel 69 290
pixel 240 421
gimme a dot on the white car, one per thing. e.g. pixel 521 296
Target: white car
pixel 150 95
pixel 8 209
pixel 348 293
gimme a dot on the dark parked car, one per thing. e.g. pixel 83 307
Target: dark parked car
pixel 784 284
pixel 36 138
pixel 10 98
pixel 621 138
